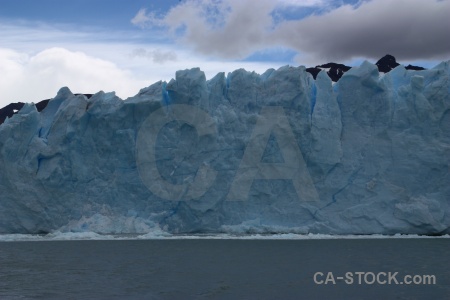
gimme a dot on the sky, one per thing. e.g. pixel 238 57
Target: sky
pixel 123 46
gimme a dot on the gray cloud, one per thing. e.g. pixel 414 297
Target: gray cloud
pixel 230 29
pixel 408 29
pixel 156 55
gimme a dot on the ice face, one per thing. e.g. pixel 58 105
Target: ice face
pixel 243 152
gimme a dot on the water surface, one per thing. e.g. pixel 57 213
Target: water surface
pixel 219 268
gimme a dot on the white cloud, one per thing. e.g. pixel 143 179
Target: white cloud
pixel 143 19
pixel 38 77
pixel 11 70
pixel 31 78
pixel 36 60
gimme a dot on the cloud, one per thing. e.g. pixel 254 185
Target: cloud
pixel 157 55
pixel 407 29
pixel 37 59
pixel 301 3
pixel 229 29
pixel 234 29
pixel 33 78
pixel 144 19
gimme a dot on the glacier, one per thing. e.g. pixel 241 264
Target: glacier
pixel 279 152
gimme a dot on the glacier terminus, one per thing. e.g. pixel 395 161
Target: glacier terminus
pixel 279 152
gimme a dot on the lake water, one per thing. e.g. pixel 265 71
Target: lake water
pixel 223 269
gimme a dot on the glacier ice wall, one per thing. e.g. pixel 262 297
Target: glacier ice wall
pixel 372 152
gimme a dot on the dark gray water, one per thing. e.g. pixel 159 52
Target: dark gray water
pixel 220 269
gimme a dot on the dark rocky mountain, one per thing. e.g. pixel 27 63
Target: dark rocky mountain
pixel 334 71
pixel 414 68
pixel 386 63
pixel 9 110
